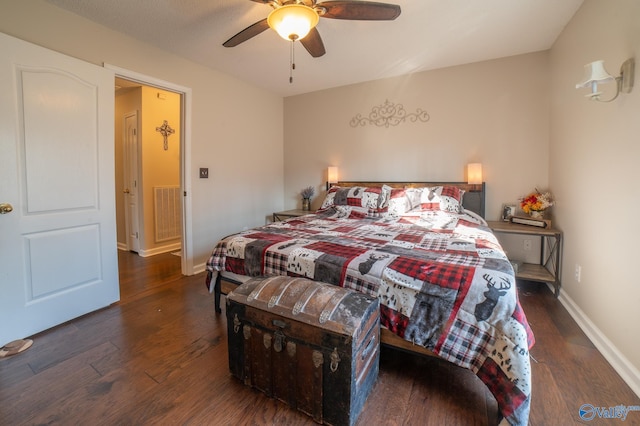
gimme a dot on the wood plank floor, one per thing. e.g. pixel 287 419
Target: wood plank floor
pixel 160 357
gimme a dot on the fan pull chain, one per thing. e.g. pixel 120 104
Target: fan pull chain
pixel 292 63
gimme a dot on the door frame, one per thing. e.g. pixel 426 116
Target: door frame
pixel 185 155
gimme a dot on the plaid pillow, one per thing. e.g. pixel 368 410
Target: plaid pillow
pixel 444 198
pixel 358 196
pixel 399 202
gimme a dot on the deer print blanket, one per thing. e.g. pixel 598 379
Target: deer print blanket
pixel 443 281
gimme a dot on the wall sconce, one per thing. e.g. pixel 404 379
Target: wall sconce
pixel 474 173
pixel 595 73
pixel 332 176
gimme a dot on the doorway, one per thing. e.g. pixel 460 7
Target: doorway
pixel 148 132
pixel 167 141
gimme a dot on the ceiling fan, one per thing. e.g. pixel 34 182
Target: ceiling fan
pixel 297 19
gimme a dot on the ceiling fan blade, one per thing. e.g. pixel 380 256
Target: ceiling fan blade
pixel 360 10
pixel 247 33
pixel 313 43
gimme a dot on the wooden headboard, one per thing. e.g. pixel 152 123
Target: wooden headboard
pixel 473 198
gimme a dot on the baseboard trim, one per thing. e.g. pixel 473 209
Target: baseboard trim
pixel 201 267
pixel 629 373
pixel 160 250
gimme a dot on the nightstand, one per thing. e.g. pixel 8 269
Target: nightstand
pixel 288 214
pixel 549 268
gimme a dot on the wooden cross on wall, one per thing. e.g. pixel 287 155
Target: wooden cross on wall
pixel 166 131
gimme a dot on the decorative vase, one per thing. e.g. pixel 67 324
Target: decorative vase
pixel 536 214
pixel 306 204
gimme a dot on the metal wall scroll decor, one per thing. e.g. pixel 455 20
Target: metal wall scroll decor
pixel 389 114
pixel 166 131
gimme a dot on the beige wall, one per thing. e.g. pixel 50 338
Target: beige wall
pixel 236 128
pixel 494 112
pixel 595 148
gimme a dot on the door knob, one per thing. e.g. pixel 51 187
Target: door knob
pixel 5 208
pixel 126 191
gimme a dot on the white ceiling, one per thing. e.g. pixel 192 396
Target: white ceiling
pixel 428 34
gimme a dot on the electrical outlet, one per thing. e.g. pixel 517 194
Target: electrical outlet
pixel 526 244
pixel 204 172
pixel 578 272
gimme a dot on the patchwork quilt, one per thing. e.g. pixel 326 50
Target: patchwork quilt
pixel 442 279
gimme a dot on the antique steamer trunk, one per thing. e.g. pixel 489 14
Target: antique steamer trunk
pixel 312 345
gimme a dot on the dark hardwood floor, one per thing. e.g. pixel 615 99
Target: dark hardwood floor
pixel 159 356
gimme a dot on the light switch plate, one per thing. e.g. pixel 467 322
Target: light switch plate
pixel 204 172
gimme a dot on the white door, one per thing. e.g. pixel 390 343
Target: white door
pixel 58 255
pixel 131 192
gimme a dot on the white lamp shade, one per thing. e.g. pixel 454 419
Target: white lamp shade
pixel 293 21
pixel 595 73
pixel 474 173
pixel 332 174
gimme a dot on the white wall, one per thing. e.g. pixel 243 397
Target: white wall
pixel 594 154
pixel 494 112
pixel 236 128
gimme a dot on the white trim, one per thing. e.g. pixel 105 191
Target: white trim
pixel 187 229
pixel 159 250
pixel 629 373
pixel 200 267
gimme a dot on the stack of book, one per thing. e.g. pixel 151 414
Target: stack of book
pixel 531 221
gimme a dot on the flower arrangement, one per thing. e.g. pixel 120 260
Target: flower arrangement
pixel 536 202
pixel 308 192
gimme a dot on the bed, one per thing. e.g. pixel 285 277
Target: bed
pixel 445 285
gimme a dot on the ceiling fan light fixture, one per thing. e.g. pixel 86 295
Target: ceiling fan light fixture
pixel 293 21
